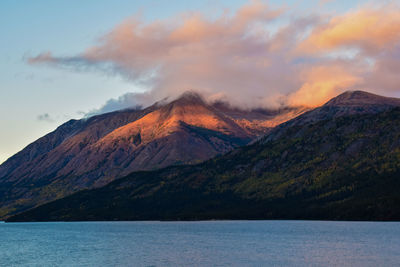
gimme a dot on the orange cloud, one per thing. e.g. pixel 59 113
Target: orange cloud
pixel 245 59
pixel 321 84
pixel 369 28
pixel 216 57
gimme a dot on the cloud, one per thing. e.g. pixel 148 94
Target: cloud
pixel 384 74
pixel 126 101
pixel 45 57
pixel 322 83
pixel 45 117
pixel 257 56
pixel 370 29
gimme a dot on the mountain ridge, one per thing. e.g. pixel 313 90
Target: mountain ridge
pixel 347 103
pixel 94 151
pixel 360 98
pixel 193 127
pixel 344 168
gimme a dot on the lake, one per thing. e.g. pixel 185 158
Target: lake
pixel 206 243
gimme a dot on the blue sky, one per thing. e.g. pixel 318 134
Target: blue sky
pixel 67 28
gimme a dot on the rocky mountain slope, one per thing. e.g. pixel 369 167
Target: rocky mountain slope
pixel 340 161
pixel 91 152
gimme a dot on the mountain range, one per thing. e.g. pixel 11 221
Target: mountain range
pixel 340 161
pixel 92 152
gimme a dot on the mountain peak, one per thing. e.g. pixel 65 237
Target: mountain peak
pixel 190 97
pixel 362 98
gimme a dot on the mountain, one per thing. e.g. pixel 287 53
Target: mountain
pixel 348 103
pixel 92 152
pixel 362 99
pixel 338 162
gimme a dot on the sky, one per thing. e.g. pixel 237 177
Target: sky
pixel 62 60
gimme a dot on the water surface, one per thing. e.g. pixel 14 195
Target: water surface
pixel 211 243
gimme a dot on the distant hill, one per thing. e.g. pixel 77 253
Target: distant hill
pixel 91 152
pixel 340 161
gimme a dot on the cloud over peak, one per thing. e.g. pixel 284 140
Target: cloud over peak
pixel 258 56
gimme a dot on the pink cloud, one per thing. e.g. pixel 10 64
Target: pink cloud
pixel 246 59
